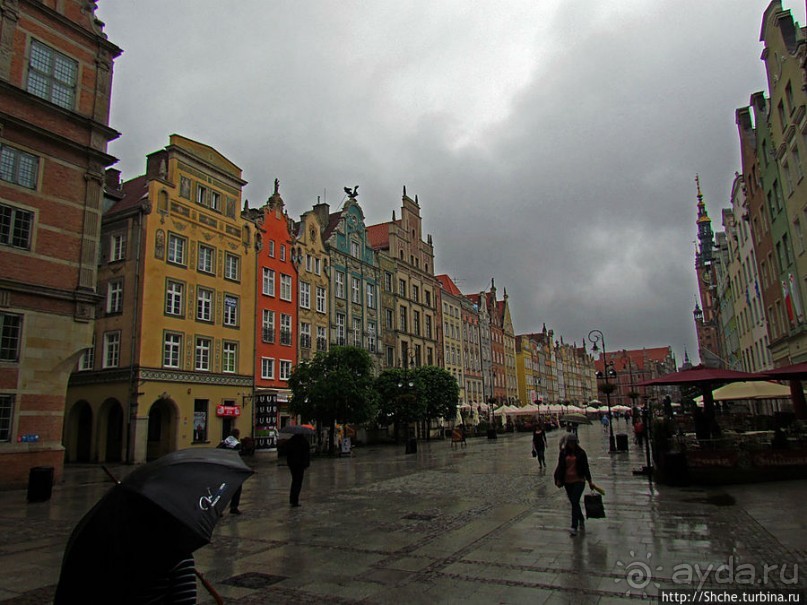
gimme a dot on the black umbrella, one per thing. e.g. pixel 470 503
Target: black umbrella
pixel 298 429
pixel 157 515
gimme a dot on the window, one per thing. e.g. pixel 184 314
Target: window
pixel 428 320
pixel 6 414
pixel 390 357
pixel 427 295
pixel 388 319
pixel 267 368
pixel 285 287
pixel 52 75
pixel 388 281
pixel 111 349
pixel 230 310
pixel 176 249
pixel 229 357
pixel 282 252
pixel 782 117
pixel 114 296
pixel 268 281
pixel 402 287
pixel 232 267
pixel 10 336
pixel 268 326
pixel 308 262
pixel 207 259
pixel 354 249
pixel 370 296
pixel 285 369
pixel 355 290
pixel 402 322
pixel 15 227
pixel 117 247
pixel 796 161
pixel 201 195
pixel 371 338
pixel 87 360
pixel 215 201
pixel 204 304
pixel 340 329
pixel 172 350
pixel 788 178
pixel 272 248
pixel 416 322
pixel 415 293
pixel 305 295
pixel 321 298
pixel 322 338
pixel 203 354
pixel 305 335
pixel 200 420
pixel 173 297
pixel 357 339
pixel 285 329
pixel 340 284
pixel 317 266
pixel 18 167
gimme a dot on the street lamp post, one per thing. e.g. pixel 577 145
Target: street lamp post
pixel 595 337
pixel 407 384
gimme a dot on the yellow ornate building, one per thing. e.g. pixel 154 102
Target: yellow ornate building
pixel 173 355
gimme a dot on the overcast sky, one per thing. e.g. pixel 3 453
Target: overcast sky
pixel 553 145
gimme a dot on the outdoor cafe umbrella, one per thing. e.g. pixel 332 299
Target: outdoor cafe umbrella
pixel 156 516
pixel 575 418
pixel 795 374
pixel 705 378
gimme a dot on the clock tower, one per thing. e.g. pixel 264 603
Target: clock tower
pixel 707 323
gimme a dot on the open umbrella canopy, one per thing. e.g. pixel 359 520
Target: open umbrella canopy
pixel 701 375
pixel 295 429
pixel 575 418
pixel 796 371
pixel 158 514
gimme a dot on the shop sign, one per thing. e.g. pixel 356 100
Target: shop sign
pixel 228 411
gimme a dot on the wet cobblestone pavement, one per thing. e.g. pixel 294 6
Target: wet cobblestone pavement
pixel 480 524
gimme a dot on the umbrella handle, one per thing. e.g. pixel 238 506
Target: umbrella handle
pixel 209 587
pixel 109 473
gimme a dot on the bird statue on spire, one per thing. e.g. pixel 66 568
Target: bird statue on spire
pixel 352 194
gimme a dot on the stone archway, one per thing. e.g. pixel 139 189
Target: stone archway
pixel 110 431
pixel 162 428
pixel 78 433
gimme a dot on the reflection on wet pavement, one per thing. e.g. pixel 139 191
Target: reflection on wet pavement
pixel 477 525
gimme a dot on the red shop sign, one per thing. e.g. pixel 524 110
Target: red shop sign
pixel 227 410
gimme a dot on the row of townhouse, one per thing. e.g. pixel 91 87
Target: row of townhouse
pixel 752 275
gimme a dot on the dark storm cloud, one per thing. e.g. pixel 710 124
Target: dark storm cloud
pixel 552 146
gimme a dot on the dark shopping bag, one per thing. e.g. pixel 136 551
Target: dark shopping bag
pixel 594 506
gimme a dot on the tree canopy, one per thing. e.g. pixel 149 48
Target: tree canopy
pixel 398 402
pixel 335 386
pixel 438 392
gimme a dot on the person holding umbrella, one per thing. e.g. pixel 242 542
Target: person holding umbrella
pixel 572 473
pixel 539 444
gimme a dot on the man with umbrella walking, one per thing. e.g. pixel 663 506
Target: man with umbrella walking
pixel 298 457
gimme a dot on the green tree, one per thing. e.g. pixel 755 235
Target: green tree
pixel 438 392
pixel 398 399
pixel 335 386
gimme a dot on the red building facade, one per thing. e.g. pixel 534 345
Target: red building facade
pixel 55 85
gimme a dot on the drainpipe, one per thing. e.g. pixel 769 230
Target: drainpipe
pixel 133 370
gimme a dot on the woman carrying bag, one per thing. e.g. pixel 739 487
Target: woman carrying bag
pixel 572 473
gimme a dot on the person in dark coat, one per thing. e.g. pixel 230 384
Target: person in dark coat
pixel 539 444
pixel 298 457
pixel 572 473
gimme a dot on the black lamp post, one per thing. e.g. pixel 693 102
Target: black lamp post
pixel 596 336
pixel 406 384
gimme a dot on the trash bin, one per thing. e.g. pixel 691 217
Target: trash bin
pixel 622 442
pixel 40 483
pixel 411 446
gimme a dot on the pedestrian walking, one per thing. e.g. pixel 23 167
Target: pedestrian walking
pixel 298 457
pixel 572 473
pixel 539 445
pixel 638 431
pixel 605 422
pixel 232 442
